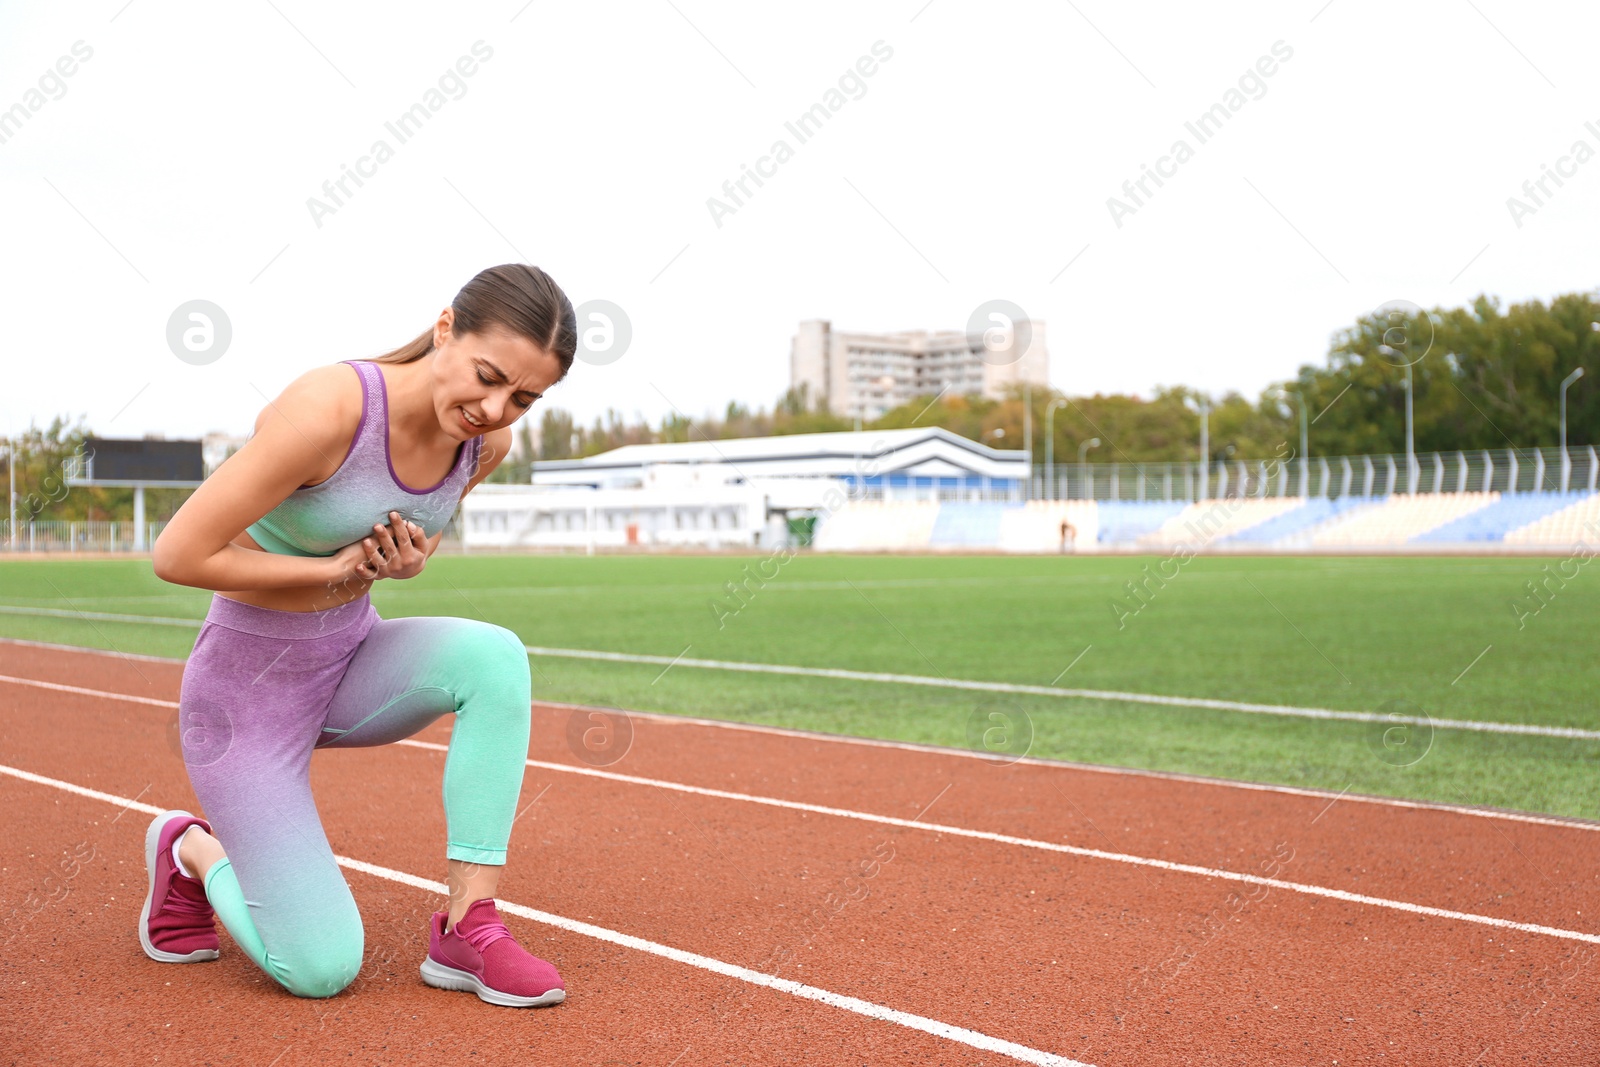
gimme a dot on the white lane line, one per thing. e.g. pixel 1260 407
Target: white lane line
pixel 960 1035
pixel 907 746
pixel 72 613
pixel 1572 823
pixel 1006 839
pixel 1080 694
pixel 92 651
pixel 1050 846
pixel 1113 695
pixel 92 794
pixel 61 688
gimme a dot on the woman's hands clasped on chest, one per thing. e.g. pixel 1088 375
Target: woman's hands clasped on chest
pixel 398 550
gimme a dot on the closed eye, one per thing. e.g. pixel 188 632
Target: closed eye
pixel 514 400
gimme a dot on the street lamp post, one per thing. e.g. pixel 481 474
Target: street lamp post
pixel 1203 406
pixel 1566 461
pixel 1083 464
pixel 1305 447
pixel 1050 445
pixel 1411 445
pixel 10 467
pixel 1027 439
pixel 1411 441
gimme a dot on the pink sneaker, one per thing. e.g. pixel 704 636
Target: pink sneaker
pixel 176 924
pixel 480 956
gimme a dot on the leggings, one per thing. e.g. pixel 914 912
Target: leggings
pixel 263 688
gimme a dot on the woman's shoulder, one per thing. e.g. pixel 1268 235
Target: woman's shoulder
pixel 329 398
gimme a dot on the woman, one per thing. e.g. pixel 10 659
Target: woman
pixel 292 531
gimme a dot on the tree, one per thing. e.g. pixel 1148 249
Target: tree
pixel 555 434
pixel 44 458
pixel 1483 378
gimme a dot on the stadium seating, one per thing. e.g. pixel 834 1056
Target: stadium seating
pixel 1508 514
pixel 967 526
pixel 1397 519
pixel 1208 522
pixel 1125 521
pixel 1036 526
pixel 1294 528
pixel 1575 520
pixel 1266 524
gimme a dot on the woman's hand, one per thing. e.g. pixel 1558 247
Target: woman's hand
pixel 397 551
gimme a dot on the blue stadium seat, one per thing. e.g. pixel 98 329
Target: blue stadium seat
pixel 1129 520
pixel 1500 518
pixel 1313 512
pixel 969 524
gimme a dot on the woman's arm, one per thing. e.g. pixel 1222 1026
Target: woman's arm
pixel 496 443
pixel 298 437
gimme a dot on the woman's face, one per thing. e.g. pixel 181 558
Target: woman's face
pixel 493 377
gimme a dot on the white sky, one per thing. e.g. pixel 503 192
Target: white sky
pixel 178 162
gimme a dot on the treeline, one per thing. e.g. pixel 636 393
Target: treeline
pixel 1483 376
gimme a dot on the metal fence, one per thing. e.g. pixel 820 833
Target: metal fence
pixel 60 536
pixel 108 536
pixel 1506 470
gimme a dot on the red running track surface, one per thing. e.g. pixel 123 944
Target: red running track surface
pixel 1098 958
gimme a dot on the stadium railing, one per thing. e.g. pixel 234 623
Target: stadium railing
pixel 1505 470
pixel 55 535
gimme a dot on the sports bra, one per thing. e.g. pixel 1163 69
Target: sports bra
pixel 321 519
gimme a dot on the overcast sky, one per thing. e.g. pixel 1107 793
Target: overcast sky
pixel 176 161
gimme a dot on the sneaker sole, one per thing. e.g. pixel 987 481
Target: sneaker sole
pixel 152 837
pixel 441 976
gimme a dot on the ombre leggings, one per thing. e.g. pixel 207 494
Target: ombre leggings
pixel 263 688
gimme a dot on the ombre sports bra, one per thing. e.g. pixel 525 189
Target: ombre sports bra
pixel 321 519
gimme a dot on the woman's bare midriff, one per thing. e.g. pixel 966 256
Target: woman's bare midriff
pixel 298 597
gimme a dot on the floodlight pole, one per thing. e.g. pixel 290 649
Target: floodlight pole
pixel 1566 461
pixel 1411 445
pixel 1305 446
pixel 1027 439
pixel 1050 446
pixel 1305 450
pixel 1205 448
pixel 1083 463
pixel 10 467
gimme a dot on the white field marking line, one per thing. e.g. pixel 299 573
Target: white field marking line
pixel 799 586
pixel 905 746
pixel 149 620
pixel 971 1038
pixel 1287 710
pixel 1081 694
pixel 23 605
pixel 25 601
pixel 1129 772
pixel 981 835
pixel 1050 846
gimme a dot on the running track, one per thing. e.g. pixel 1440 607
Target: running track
pixel 917 907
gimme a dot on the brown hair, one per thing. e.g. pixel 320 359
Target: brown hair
pixel 516 296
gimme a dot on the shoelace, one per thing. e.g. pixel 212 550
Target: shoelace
pixel 483 934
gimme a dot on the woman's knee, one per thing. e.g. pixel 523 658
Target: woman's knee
pixel 321 970
pixel 493 656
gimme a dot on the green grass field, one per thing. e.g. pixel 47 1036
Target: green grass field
pixel 1360 634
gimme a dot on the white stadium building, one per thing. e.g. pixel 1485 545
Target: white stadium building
pixel 731 493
